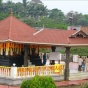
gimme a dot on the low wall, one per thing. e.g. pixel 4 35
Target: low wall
pixel 18 81
pixel 15 75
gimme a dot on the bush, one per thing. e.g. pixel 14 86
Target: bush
pixel 85 85
pixel 25 84
pixel 39 82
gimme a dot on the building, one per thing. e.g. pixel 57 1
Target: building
pixel 18 40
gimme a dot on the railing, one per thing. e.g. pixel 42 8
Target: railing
pixel 5 71
pixel 31 71
pixel 40 70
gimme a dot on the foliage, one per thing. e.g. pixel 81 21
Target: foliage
pixel 24 3
pixel 47 22
pixel 62 51
pixel 73 18
pixel 51 23
pixel 0 2
pixel 82 51
pixel 56 14
pixel 45 50
pixel 37 15
pixel 37 10
pixel 85 85
pixel 25 84
pixel 39 82
pixel 2 16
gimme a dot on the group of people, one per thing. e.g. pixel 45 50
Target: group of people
pixel 81 64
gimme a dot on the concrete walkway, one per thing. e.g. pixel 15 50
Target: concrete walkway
pixel 6 86
pixel 62 83
pixel 68 83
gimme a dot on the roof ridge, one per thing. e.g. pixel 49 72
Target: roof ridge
pixel 38 31
pixel 10 27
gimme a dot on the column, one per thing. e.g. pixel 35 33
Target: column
pixel 66 73
pixel 52 62
pixel 14 71
pixel 25 55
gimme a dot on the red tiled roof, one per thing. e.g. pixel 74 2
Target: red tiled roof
pixel 58 37
pixel 53 36
pixel 13 29
pixel 85 29
pixel 78 40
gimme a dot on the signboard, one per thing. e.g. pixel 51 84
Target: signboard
pixel 55 56
pixel 75 58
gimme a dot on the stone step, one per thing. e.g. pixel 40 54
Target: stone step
pixel 79 73
pixel 77 76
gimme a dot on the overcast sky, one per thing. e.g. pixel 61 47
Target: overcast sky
pixel 80 6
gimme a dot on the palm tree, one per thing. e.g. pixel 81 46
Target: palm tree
pixel 24 3
pixel 0 2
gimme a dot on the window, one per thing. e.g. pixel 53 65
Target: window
pixel 79 35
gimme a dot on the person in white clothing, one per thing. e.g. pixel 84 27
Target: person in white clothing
pixel 80 60
pixel 86 64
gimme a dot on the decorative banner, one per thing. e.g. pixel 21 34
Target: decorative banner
pixel 7 48
pixel 1 48
pixel 4 45
pixel 57 67
pixel 7 45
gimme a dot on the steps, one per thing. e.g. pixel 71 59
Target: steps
pixel 78 76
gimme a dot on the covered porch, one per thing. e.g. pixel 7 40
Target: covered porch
pixel 23 40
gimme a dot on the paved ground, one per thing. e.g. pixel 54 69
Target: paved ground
pixel 62 83
pixel 6 86
pixel 75 82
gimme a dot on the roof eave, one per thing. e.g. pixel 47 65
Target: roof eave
pixel 40 43
pixel 8 40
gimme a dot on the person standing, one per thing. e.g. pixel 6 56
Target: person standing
pixel 80 60
pixel 86 63
pixel 44 59
pixel 83 65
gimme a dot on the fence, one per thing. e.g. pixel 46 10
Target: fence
pixel 31 71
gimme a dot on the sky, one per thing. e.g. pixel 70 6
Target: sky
pixel 65 6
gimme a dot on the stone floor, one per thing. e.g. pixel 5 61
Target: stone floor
pixel 59 84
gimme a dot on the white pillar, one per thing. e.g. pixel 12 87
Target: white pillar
pixel 14 71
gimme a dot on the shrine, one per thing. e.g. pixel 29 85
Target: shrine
pixel 20 42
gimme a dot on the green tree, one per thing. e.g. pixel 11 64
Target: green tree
pixel 18 9
pixel 36 10
pixel 25 3
pixel 73 18
pixel 82 51
pixel 0 2
pixel 56 14
pixel 84 20
pixel 0 6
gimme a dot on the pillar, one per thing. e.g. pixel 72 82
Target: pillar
pixel 66 73
pixel 13 71
pixel 52 62
pixel 25 55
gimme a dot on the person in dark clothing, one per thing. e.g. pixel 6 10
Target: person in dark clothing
pixel 44 59
pixel 83 65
